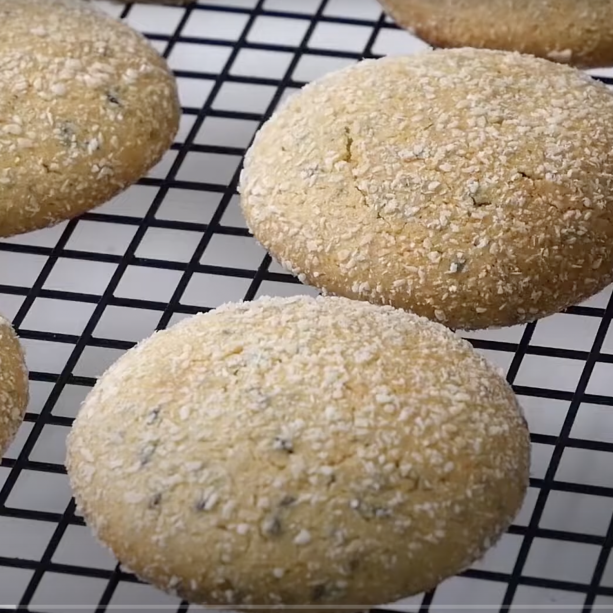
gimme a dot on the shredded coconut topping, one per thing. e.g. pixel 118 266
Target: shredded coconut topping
pixel 328 441
pixel 472 187
pixel 14 394
pixel 565 31
pixel 87 106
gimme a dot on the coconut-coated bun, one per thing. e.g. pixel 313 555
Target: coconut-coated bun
pixel 575 32
pixel 301 451
pixel 474 187
pixel 14 393
pixel 87 107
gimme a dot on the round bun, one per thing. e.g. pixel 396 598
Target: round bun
pixel 474 187
pixel 87 107
pixel 14 394
pixel 575 32
pixel 302 451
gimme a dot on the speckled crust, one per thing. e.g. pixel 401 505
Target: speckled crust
pixel 470 186
pixel 14 394
pixel 569 31
pixel 310 451
pixel 87 107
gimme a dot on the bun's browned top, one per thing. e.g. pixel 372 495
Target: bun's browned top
pixel 474 187
pixel 87 107
pixel 300 451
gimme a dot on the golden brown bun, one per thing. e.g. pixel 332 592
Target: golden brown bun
pixel 300 451
pixel 470 186
pixel 87 107
pixel 575 32
pixel 14 394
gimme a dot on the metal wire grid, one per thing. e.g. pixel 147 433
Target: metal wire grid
pixel 84 292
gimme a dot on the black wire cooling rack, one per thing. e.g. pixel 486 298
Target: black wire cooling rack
pixel 175 244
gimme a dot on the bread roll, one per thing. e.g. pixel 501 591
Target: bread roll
pixel 469 186
pixel 299 451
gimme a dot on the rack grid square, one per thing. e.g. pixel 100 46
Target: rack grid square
pixel 84 292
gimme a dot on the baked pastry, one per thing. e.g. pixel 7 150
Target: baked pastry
pixel 570 31
pixel 87 107
pixel 473 187
pixel 299 451
pixel 14 393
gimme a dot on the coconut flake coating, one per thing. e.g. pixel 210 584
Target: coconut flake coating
pixel 14 394
pixel 576 32
pixel 470 186
pixel 301 451
pixel 87 107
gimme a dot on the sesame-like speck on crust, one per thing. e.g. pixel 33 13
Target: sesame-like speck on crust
pixel 14 394
pixel 576 32
pixel 87 107
pixel 470 186
pixel 299 451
